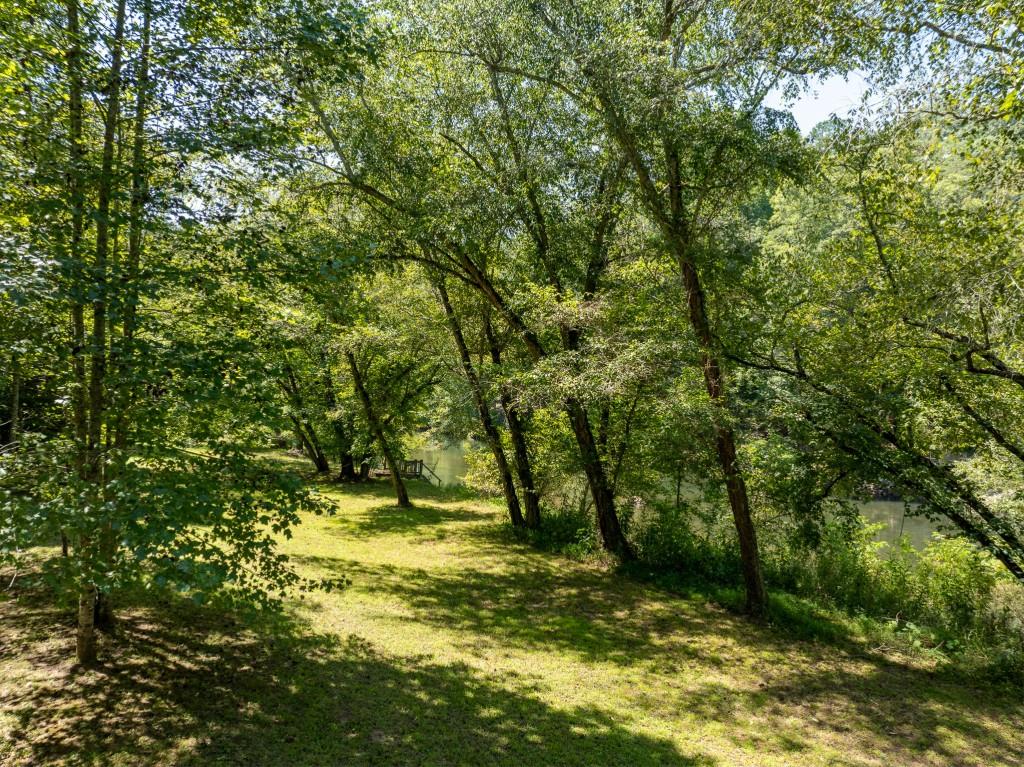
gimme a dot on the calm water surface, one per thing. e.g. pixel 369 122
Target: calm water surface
pixel 449 463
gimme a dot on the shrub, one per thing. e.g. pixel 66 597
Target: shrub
pixel 950 597
pixel 681 540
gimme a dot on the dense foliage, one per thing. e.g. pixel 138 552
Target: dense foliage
pixel 676 328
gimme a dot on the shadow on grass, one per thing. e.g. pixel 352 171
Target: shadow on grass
pixel 419 490
pixel 837 688
pixel 190 686
pixel 387 520
pixel 538 602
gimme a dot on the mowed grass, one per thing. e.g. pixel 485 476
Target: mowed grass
pixel 456 645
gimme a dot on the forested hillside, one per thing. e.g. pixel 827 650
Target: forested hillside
pixel 253 255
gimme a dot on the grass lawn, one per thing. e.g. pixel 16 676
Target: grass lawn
pixel 456 646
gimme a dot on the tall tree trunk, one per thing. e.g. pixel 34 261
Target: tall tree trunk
pixel 714 381
pixel 517 433
pixel 378 432
pixel 97 395
pixel 86 650
pixel 130 276
pixel 316 456
pixel 303 428
pixel 597 479
pixel 323 466
pixel 15 430
pixel 86 640
pixel 76 196
pixel 121 350
pixel 673 223
pixel 508 485
pixel 104 194
pixel 346 461
pixel 600 488
pixel 524 469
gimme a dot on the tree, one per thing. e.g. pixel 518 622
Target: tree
pixel 140 135
pixel 903 359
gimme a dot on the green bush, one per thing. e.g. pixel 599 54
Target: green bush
pixel 679 539
pixel 949 598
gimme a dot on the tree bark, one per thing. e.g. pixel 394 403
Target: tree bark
pixel 524 470
pixel 104 194
pixel 317 454
pixel 725 442
pixel 672 222
pixel 508 485
pixel 347 472
pixel 303 428
pixel 130 277
pixel 377 428
pixel 15 430
pixel 612 537
pixel 85 640
pixel 517 433
pixel 98 394
pixel 310 448
pixel 76 196
pixel 346 461
pixel 604 499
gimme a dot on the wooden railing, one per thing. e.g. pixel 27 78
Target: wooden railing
pixel 413 468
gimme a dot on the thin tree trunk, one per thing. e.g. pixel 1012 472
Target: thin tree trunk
pixel 714 380
pixel 323 466
pixel 300 434
pixel 140 189
pixel 517 432
pixel 104 193
pixel 346 461
pixel 604 499
pixel 757 599
pixel 378 432
pixel 86 651
pixel 305 430
pixel 673 224
pixel 85 640
pixel 122 353
pixel 15 431
pixel 309 446
pixel 94 473
pixel 524 470
pixel 76 195
pixel 508 485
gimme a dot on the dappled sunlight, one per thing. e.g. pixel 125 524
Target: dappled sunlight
pixel 454 638
pixel 386 520
pixel 668 661
pixel 197 693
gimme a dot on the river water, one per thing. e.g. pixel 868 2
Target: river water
pixel 449 463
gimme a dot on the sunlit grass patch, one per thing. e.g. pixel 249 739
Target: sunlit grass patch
pixel 456 644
